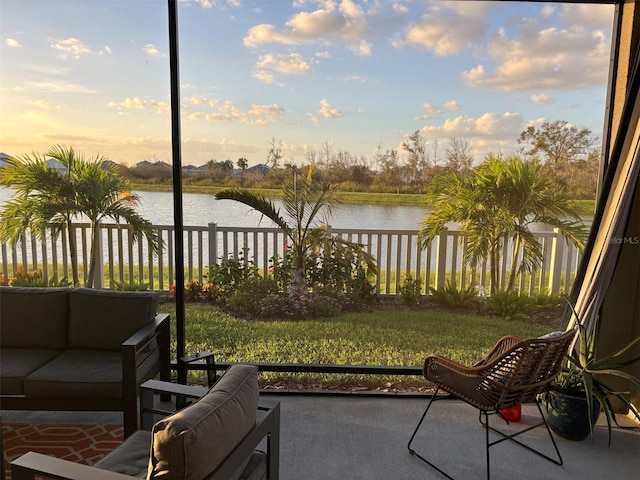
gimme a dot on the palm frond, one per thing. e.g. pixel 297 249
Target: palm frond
pixel 256 201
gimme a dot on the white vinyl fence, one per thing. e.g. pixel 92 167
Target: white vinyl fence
pixel 396 252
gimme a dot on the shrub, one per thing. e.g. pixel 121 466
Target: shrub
pixel 130 286
pixel 247 298
pixel 545 299
pixel 193 291
pixel 231 273
pixel 509 305
pixel 28 279
pixel 410 291
pixel 452 296
pixel 284 306
pixel 280 270
pixel 341 270
pixel 33 279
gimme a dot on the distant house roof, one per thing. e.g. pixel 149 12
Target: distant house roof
pixel 148 164
pixel 53 163
pixel 260 168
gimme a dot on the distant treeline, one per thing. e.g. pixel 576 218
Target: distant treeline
pixel 571 157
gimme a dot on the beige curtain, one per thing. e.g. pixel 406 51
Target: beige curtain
pixel 612 215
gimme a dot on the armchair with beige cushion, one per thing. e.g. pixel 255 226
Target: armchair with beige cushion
pixel 224 435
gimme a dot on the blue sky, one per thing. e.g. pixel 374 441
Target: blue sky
pixel 352 75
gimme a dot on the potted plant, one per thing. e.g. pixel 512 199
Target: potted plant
pixel 581 391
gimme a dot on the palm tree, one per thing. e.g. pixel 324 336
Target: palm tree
pixel 495 206
pixel 305 199
pixel 44 200
pixel 242 163
pixel 52 198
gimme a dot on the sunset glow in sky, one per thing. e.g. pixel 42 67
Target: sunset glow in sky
pixel 355 74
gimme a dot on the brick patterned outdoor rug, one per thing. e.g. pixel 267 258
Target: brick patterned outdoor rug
pixel 80 443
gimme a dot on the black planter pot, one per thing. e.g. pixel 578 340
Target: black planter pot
pixel 568 415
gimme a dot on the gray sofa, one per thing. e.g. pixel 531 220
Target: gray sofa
pixel 225 435
pixel 80 349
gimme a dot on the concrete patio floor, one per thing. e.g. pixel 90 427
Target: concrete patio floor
pixel 355 437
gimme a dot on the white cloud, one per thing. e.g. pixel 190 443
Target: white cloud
pixel 150 49
pixel 313 119
pixel 263 33
pixel 439 31
pixel 44 104
pixel 363 49
pixel 345 22
pixel 56 86
pixel 492 125
pixel 319 22
pixel 540 57
pixel 350 9
pixel 218 3
pixel 263 114
pixel 12 42
pixel 452 105
pixel 490 132
pixel 292 63
pixel 596 17
pixel 257 114
pixel 428 111
pixel 105 50
pixel 128 103
pixel 400 8
pixel 541 99
pixel 355 78
pixel 264 76
pixel 327 110
pixel 161 107
pixel 72 46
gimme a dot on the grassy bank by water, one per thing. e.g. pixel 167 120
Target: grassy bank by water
pixel 383 337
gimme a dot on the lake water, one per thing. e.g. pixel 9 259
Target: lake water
pixel 201 209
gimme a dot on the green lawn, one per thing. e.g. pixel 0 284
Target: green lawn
pixel 383 337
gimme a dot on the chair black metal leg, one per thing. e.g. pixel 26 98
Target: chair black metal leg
pixel 421 420
pixel 484 420
pixel 520 432
pixel 486 443
pixel 412 451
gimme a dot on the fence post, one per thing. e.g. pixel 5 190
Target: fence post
pixel 98 273
pixel 441 257
pixel 213 244
pixel 555 262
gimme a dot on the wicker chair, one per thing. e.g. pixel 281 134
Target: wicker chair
pixel 514 372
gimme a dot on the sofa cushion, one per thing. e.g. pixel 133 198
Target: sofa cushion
pixel 103 319
pixel 131 457
pixel 33 317
pixel 18 363
pixel 191 443
pixel 78 374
